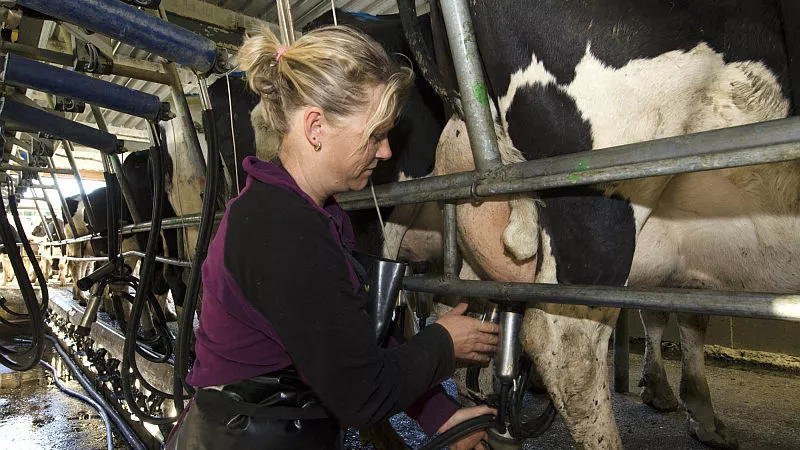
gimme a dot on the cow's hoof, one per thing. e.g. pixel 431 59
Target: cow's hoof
pixel 661 399
pixel 716 436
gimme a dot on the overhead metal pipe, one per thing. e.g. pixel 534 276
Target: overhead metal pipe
pixel 128 24
pixel 87 206
pixel 726 303
pixel 474 95
pixel 116 165
pixel 4 167
pixel 140 74
pixel 62 59
pixel 32 118
pixel 197 161
pixel 66 59
pixel 27 73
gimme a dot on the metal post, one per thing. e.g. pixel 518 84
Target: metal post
pixel 196 158
pixel 285 22
pixel 65 208
pixel 4 167
pixel 59 230
pixel 450 241
pixel 84 198
pixel 474 95
pixel 117 168
pixel 621 353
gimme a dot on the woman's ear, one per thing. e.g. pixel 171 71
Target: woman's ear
pixel 313 120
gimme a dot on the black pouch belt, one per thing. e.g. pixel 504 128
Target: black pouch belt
pixel 267 412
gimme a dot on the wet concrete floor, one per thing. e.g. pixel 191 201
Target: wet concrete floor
pixel 37 415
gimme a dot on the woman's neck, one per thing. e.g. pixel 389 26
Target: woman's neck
pixel 307 179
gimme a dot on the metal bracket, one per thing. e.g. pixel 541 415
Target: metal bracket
pixel 69 104
pixel 150 4
pixel 88 58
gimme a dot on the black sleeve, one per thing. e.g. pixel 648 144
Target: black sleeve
pixel 294 272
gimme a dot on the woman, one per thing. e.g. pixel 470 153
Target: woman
pixel 286 352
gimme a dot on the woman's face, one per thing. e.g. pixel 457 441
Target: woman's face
pixel 352 163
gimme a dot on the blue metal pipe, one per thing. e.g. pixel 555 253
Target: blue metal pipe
pixel 27 73
pixel 130 25
pixel 29 117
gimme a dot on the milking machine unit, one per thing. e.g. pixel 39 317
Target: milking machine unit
pixel 506 362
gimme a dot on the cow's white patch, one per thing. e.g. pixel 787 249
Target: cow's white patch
pixel 397 224
pixel 546 272
pixel 672 94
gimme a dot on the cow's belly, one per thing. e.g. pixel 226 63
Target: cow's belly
pixel 729 230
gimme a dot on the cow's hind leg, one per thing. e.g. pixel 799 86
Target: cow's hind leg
pixel 656 390
pixel 702 421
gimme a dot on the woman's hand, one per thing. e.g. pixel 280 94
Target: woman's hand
pixel 472 441
pixel 473 340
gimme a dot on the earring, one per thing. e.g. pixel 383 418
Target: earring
pixel 318 147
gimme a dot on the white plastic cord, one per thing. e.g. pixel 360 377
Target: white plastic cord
pixel 335 22
pixel 378 209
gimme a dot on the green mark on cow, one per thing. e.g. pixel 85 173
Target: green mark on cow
pixel 480 93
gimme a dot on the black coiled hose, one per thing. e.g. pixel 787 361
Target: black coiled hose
pixel 520 428
pixel 145 281
pixel 185 329
pixel 26 359
pixel 459 431
pixel 12 205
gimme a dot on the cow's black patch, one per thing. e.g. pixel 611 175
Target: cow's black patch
pixel 592 237
pixel 544 114
pixel 242 101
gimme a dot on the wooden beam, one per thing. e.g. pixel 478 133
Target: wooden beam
pixel 93 175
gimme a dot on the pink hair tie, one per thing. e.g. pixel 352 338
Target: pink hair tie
pixel 281 51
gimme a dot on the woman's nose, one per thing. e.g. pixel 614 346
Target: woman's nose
pixel 384 151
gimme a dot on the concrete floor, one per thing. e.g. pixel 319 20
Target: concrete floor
pixel 37 415
pixel 761 406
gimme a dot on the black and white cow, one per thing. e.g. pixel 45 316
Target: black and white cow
pixel 136 170
pixel 48 260
pixel 582 75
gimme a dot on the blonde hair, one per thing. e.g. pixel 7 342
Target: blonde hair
pixel 332 68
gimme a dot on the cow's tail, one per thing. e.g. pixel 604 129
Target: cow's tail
pixel 423 55
pixel 520 236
